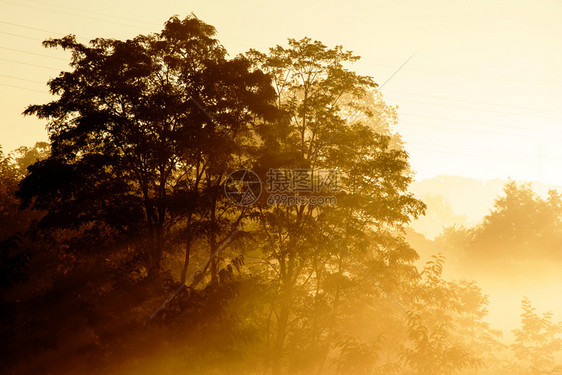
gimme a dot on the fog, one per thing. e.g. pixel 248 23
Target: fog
pixel 264 211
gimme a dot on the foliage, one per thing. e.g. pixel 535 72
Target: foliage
pixel 537 341
pixel 142 133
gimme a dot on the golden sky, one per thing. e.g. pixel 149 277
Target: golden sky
pixel 479 98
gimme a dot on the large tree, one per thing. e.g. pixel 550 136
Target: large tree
pixel 143 132
pixel 332 120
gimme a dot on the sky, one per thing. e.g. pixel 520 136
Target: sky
pixel 478 84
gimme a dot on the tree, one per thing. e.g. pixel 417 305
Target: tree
pixel 522 227
pixel 537 340
pixel 445 325
pixel 26 156
pixel 331 120
pixel 142 130
pixel 8 202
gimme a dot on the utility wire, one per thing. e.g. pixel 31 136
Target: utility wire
pixel 472 122
pixel 30 64
pixel 93 12
pixel 21 79
pixel 22 88
pixel 29 27
pixel 481 109
pixel 33 53
pixel 473 101
pixel 20 36
pixel 472 130
pixel 70 14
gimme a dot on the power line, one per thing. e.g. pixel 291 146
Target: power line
pixel 30 64
pixel 438 104
pixel 480 75
pixel 20 36
pixel 33 53
pixel 481 131
pixel 481 109
pixel 440 69
pixel 70 14
pixel 29 27
pixel 92 12
pixel 474 102
pixel 406 123
pixel 415 145
pixel 475 123
pixel 401 92
pixel 472 155
pixel 21 79
pixel 429 103
pixel 479 150
pixel 462 72
pixel 22 88
pixel 402 124
pixel 482 154
pixel 477 130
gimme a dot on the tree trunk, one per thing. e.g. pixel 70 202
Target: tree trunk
pixel 277 364
pixel 157 246
pixel 213 243
pixel 187 250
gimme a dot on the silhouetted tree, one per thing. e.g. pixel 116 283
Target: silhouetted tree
pixel 143 126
